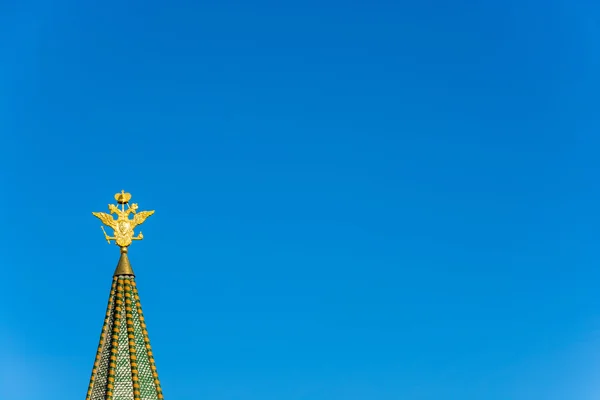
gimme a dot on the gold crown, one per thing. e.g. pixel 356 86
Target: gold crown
pixel 123 198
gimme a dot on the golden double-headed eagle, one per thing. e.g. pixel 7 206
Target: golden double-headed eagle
pixel 123 226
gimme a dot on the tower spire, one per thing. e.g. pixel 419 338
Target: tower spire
pixel 124 368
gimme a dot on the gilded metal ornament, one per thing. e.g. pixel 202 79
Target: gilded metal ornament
pixel 123 226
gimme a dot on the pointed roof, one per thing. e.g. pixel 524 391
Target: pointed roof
pixel 124 368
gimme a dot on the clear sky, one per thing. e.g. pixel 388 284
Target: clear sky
pixel 354 200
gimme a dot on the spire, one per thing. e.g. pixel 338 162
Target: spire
pixel 124 368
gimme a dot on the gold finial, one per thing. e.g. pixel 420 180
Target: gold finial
pixel 123 226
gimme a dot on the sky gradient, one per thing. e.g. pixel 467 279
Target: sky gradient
pixel 354 200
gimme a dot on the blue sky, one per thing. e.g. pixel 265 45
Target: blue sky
pixel 354 200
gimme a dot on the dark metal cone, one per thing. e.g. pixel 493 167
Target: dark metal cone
pixel 123 267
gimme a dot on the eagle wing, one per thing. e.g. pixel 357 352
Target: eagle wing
pixel 140 217
pixel 106 219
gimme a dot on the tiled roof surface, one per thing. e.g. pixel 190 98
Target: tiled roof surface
pixel 124 368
